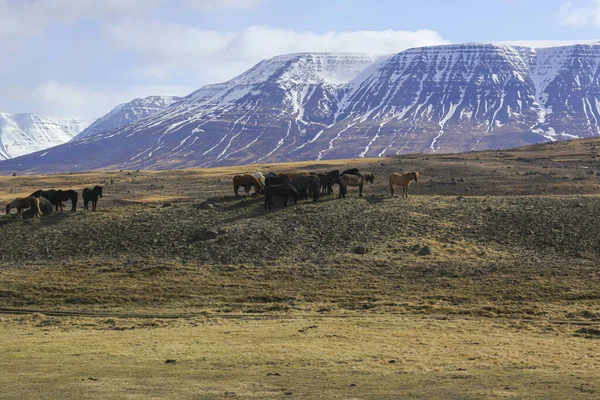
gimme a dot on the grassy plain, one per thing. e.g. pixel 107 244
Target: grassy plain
pixel 259 304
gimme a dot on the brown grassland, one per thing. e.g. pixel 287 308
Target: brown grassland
pixel 250 303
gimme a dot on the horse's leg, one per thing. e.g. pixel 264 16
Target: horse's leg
pixel 360 188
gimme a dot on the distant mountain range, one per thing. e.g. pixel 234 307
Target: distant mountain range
pixel 307 106
pixel 126 113
pixel 22 134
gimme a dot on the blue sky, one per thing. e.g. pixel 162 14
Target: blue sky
pixel 83 57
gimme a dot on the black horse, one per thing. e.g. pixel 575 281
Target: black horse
pixel 91 195
pixel 48 195
pixel 327 180
pixel 284 190
pixel 274 179
pixel 306 184
pixel 351 171
pixel 63 195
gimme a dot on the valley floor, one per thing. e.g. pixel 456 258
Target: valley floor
pixel 257 304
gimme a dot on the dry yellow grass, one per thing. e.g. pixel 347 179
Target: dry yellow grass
pixel 360 357
pixel 278 305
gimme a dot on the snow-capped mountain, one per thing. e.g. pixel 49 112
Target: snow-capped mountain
pixel 22 134
pixel 324 105
pixel 467 97
pixel 126 113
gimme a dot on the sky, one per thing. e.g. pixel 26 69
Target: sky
pixel 80 58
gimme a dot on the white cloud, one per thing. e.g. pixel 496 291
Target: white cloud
pixel 32 17
pixel 160 57
pixel 580 13
pixel 538 44
pixel 218 56
pixel 58 99
pixel 217 5
pixel 39 14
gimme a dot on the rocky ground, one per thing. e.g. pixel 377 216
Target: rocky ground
pixel 500 227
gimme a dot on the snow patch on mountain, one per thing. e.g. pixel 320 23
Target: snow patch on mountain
pixel 22 134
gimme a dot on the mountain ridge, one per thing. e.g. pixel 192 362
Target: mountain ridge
pixel 304 106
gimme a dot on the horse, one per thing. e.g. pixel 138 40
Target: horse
pixel 261 178
pixel 402 180
pixel 47 194
pixel 23 203
pixel 274 179
pixel 284 190
pixel 355 180
pixel 306 183
pixel 351 171
pixel 63 195
pixel 91 194
pixel 246 181
pixel 327 180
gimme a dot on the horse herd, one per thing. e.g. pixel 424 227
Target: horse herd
pixel 296 185
pixel 55 197
pixel 299 185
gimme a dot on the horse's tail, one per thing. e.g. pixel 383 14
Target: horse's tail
pixel 36 203
pixel 392 188
pixel 236 185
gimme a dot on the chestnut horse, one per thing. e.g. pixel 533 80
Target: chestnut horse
pixel 246 181
pixel 402 180
pixel 355 180
pixel 23 203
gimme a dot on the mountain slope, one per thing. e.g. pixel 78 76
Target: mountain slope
pixel 22 134
pixel 467 97
pixel 126 113
pixel 322 105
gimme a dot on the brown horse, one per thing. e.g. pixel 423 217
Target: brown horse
pixel 402 180
pixel 246 181
pixel 355 180
pixel 23 203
